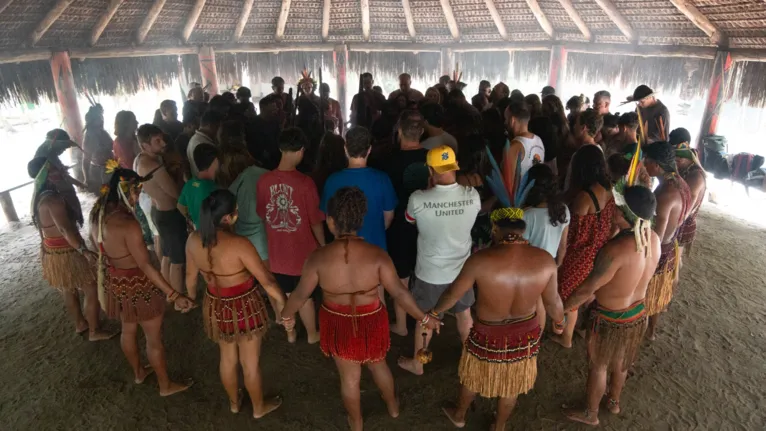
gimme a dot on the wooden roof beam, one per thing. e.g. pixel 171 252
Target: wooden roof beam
pixel 540 17
pixel 247 6
pixel 284 12
pixel 576 18
pixel 611 11
pixel 365 6
pixel 151 17
pixel 191 22
pixel 497 19
pixel 408 18
pixel 450 17
pixel 104 20
pixel 326 19
pixel 53 14
pixel 4 4
pixel 701 21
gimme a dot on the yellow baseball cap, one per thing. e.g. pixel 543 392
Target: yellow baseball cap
pixel 442 159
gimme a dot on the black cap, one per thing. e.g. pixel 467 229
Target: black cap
pixel 641 92
pixel 548 90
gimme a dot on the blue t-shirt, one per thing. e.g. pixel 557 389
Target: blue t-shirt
pixel 380 195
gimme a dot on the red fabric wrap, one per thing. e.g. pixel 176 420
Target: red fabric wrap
pixel 359 335
pixel 688 230
pixel 667 258
pixel 242 299
pixel 587 234
pixel 506 342
pixel 58 242
pixel 131 296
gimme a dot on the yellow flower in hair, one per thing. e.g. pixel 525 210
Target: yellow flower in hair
pixel 111 165
pixel 104 189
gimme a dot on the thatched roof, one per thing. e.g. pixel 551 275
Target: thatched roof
pixel 654 22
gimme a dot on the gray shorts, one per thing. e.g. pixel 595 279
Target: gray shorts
pixel 427 295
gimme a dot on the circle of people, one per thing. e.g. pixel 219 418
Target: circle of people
pixel 505 211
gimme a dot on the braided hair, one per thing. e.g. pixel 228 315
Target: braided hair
pixel 347 208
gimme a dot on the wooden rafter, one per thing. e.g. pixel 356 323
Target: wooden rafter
pixel 611 11
pixel 104 20
pixel 576 18
pixel 284 12
pixel 4 4
pixel 408 18
pixel 151 16
pixel 540 17
pixel 326 19
pixel 191 22
pixel 450 17
pixel 700 20
pixel 365 6
pixel 497 18
pixel 247 6
pixel 53 14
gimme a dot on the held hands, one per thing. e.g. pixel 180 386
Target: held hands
pixel 182 303
pixel 558 327
pixel 431 321
pixel 289 323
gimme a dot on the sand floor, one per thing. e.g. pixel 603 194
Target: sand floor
pixel 706 371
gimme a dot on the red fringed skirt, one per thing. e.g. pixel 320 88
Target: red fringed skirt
pixel 500 360
pixel 131 296
pixel 235 312
pixel 359 335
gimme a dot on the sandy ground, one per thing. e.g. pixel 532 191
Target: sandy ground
pixel 705 371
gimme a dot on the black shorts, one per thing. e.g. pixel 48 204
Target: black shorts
pixel 402 242
pixel 171 225
pixel 288 284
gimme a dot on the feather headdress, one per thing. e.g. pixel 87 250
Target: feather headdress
pixel 511 199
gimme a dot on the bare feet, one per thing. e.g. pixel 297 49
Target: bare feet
pixel 269 406
pixel 354 426
pixel 581 415
pixel 613 406
pixel 393 408
pixel 143 373
pixel 174 388
pixel 451 412
pixel 100 335
pixel 411 365
pixel 292 336
pixel 401 331
pixel 313 339
pixel 581 332
pixel 559 339
pixel 81 327
pixel 650 335
pixel 236 406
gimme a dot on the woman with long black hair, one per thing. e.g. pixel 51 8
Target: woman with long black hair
pixel 234 313
pixel 130 287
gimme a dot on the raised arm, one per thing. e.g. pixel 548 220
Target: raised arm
pixel 253 263
pixel 603 271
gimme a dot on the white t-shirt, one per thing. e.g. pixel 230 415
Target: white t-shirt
pixel 444 216
pixel 534 153
pixel 541 233
pixel 197 139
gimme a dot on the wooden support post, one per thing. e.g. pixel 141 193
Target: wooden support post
pixel 7 204
pixel 719 92
pixel 557 69
pixel 67 97
pixel 340 58
pixel 447 61
pixel 207 67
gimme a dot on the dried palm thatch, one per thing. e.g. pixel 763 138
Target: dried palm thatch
pixel 388 65
pixel 261 67
pixel 30 82
pixel 125 75
pixel 503 65
pixel 749 83
pixel 667 75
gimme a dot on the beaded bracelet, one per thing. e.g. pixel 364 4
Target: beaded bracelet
pixel 173 296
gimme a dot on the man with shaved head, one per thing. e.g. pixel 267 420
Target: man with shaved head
pixel 412 95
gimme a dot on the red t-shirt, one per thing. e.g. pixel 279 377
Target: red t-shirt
pixel 124 151
pixel 288 203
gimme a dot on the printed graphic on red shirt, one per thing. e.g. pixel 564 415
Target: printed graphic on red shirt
pixel 282 214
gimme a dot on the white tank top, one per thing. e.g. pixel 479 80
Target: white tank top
pixel 534 153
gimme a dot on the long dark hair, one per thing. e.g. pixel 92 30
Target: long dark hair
pixel 588 169
pixel 112 195
pixel 330 159
pixel 214 207
pixel 545 190
pixel 124 123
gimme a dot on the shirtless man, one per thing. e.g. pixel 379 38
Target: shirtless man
pixel 134 291
pixel 673 204
pixel 619 280
pixel 170 223
pixel 68 266
pixel 405 88
pixel 513 278
pixel 690 169
pixel 352 320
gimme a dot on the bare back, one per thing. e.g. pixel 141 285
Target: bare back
pixel 634 269
pixel 50 210
pixel 670 209
pixel 511 279
pixel 367 268
pixel 117 226
pixel 161 188
pixel 228 267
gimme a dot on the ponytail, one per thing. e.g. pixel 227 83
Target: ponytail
pixel 214 207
